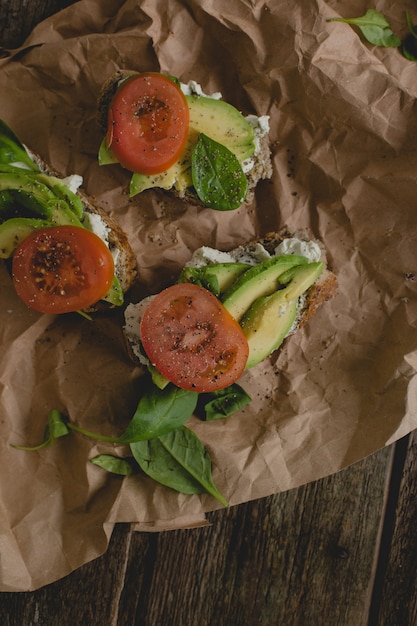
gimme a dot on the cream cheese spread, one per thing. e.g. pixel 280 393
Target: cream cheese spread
pixel 251 254
pixel 309 249
pixel 73 182
pixel 133 316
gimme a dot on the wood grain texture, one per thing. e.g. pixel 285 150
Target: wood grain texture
pixel 310 556
pixel 18 17
pixel 302 557
pixel 399 590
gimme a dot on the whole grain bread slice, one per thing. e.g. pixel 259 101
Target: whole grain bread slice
pixel 125 259
pixel 324 289
pixel 261 168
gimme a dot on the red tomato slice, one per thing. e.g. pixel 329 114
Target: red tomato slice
pixel 192 339
pixel 148 123
pixel 62 269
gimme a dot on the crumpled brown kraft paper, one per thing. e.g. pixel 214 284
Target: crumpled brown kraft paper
pixel 343 136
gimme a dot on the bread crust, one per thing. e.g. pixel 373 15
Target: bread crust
pixel 126 264
pixel 324 289
pixel 106 94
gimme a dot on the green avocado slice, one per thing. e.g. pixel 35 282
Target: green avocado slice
pixel 34 195
pixel 259 280
pixel 12 150
pixel 23 185
pixel 270 318
pixel 16 230
pixel 266 326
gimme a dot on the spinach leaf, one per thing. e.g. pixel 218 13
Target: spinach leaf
pixel 113 464
pixel 178 460
pixel 374 27
pixel 55 428
pixel 409 45
pixel 217 175
pixel 158 412
pixel 225 402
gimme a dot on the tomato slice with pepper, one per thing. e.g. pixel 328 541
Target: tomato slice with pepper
pixel 148 123
pixel 192 339
pixel 62 269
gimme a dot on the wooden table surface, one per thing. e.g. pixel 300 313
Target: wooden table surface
pixel 337 552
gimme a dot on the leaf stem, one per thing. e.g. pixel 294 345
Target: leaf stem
pixel 92 435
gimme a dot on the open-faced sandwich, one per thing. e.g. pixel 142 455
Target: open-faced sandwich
pixel 227 313
pixel 173 136
pixel 229 310
pixel 65 253
pixel 195 340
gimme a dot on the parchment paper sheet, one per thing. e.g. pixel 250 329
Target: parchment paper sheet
pixel 343 135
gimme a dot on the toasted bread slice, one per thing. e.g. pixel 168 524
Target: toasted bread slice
pixel 320 292
pixel 261 161
pixel 125 260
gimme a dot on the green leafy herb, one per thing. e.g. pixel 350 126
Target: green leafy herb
pixel 113 464
pixel 56 427
pixel 374 27
pixel 217 175
pixel 161 445
pixel 409 45
pixel 158 412
pixel 178 460
pixel 200 276
pixel 225 402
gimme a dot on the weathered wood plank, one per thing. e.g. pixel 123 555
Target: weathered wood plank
pixel 306 556
pixel 88 596
pixel 301 557
pixel 399 590
pixel 18 17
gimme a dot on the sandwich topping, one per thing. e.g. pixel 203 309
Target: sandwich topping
pixel 192 339
pixel 148 123
pixel 262 293
pixel 209 155
pixel 62 269
pixel 61 257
